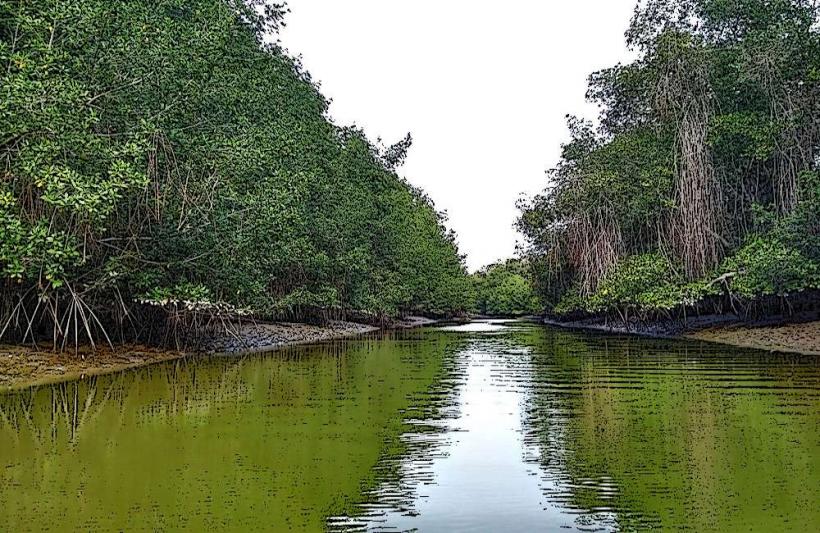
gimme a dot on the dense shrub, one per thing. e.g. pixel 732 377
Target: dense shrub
pixel 770 267
pixel 646 283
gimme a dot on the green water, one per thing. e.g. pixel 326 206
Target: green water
pixel 489 427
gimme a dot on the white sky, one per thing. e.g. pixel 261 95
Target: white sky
pixel 483 87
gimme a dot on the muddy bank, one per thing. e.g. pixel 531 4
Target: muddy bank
pixel 25 366
pixel 796 334
pixel 797 338
pixel 22 366
pixel 662 328
pixel 264 336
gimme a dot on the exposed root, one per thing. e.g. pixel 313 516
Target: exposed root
pixel 595 245
pixel 696 227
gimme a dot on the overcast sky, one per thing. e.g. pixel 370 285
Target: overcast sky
pixel 483 87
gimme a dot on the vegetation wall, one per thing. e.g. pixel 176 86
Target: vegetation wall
pixel 158 159
pixel 700 186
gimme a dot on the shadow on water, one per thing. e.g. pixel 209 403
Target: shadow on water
pixel 492 426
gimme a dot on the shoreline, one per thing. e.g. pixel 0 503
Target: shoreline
pixel 261 337
pixel 22 367
pixel 798 334
pixel 798 338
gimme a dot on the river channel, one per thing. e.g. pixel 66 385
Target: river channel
pixel 491 426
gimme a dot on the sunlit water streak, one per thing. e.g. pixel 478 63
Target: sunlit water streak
pixel 470 474
pixel 551 430
pixel 494 426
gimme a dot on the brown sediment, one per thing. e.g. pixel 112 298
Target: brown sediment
pixel 26 366
pixel 801 338
pixel 22 366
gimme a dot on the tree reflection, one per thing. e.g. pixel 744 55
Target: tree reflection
pixel 638 433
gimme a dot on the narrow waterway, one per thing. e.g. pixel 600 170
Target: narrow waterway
pixel 494 426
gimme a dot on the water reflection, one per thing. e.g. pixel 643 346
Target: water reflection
pixel 257 443
pixel 476 478
pixel 558 430
pixel 492 426
pixel 639 434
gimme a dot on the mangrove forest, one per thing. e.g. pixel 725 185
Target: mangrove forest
pixel 698 189
pixel 164 166
pixel 226 305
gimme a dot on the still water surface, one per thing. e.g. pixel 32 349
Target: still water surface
pixel 496 426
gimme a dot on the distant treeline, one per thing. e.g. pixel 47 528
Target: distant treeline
pixel 700 189
pixel 505 289
pixel 161 159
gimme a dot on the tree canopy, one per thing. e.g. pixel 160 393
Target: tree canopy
pixel 160 153
pixel 702 176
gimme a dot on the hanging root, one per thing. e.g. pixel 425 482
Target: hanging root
pixel 695 229
pixel 73 318
pixel 791 157
pixel 70 318
pixel 187 325
pixel 594 246
pixel 83 317
pixel 794 143
pixel 697 223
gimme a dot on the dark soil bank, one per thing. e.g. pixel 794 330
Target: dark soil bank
pixel 798 333
pixel 260 337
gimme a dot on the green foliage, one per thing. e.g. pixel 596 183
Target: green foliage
pixel 770 267
pixel 605 235
pixel 782 256
pixel 505 289
pixel 801 228
pixel 166 139
pixel 639 281
pixel 571 301
pixel 63 176
pixel 749 135
pixel 646 283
